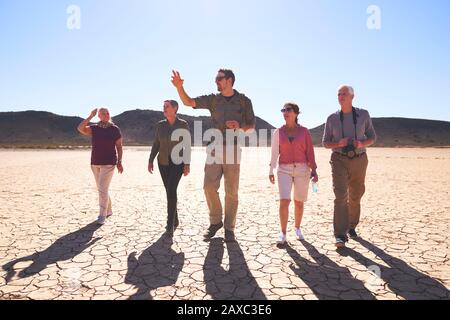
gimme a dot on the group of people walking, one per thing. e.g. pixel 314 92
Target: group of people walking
pixel 348 132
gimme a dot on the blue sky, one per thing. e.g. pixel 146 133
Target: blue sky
pixel 298 50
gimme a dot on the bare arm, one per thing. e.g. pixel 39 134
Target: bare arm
pixel 364 143
pixel 249 128
pixel 119 147
pixel 369 142
pixel 83 126
pixel 178 83
pixel 334 145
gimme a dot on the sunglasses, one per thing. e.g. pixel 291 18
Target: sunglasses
pixel 287 110
pixel 220 78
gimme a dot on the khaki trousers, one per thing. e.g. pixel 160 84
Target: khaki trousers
pixel 348 184
pixel 229 168
pixel 103 176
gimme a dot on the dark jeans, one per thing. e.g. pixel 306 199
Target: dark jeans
pixel 171 176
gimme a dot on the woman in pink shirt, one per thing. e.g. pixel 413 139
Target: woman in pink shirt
pixel 293 150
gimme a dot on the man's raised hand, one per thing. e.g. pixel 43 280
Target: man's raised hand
pixel 176 79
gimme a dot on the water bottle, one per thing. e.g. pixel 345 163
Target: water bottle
pixel 315 186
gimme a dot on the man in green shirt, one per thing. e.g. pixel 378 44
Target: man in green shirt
pixel 230 112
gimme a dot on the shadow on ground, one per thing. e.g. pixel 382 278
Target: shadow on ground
pixel 65 248
pixel 157 266
pixel 235 283
pixel 402 279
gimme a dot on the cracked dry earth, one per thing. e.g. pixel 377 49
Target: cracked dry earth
pixel 51 248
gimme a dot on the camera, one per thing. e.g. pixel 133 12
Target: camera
pixel 349 150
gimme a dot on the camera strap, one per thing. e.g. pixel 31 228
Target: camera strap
pixel 355 120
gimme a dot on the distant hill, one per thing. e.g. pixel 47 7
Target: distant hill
pixel 402 132
pixel 47 130
pixel 39 129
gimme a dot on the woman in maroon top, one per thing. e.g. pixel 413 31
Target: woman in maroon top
pixel 293 152
pixel 106 156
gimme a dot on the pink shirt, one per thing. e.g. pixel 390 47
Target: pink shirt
pixel 300 150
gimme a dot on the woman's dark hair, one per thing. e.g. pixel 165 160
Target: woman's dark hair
pixel 294 107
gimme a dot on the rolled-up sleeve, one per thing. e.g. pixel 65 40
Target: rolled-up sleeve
pixel 204 102
pixel 327 132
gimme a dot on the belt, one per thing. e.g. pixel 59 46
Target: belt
pixel 343 155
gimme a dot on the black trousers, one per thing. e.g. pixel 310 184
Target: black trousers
pixel 171 176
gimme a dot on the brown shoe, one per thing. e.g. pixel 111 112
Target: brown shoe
pixel 340 242
pixel 212 230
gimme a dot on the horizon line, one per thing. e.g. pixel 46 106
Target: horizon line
pixel 137 109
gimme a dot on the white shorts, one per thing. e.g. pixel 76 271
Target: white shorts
pixel 299 175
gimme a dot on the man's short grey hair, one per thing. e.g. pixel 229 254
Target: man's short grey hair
pixel 350 89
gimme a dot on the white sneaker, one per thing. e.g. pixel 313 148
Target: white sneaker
pixel 281 238
pixel 299 235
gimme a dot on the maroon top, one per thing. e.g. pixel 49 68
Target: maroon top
pixel 104 145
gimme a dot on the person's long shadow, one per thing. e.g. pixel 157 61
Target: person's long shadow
pixel 65 248
pixel 325 278
pixel 235 283
pixel 402 279
pixel 158 266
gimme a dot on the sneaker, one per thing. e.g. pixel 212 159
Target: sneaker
pixel 212 230
pixel 340 242
pixel 101 220
pixel 299 235
pixel 281 239
pixel 229 236
pixel 352 233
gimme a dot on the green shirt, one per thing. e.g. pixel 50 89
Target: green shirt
pixel 238 108
pixel 163 144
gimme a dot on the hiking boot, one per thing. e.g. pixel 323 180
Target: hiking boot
pixel 352 233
